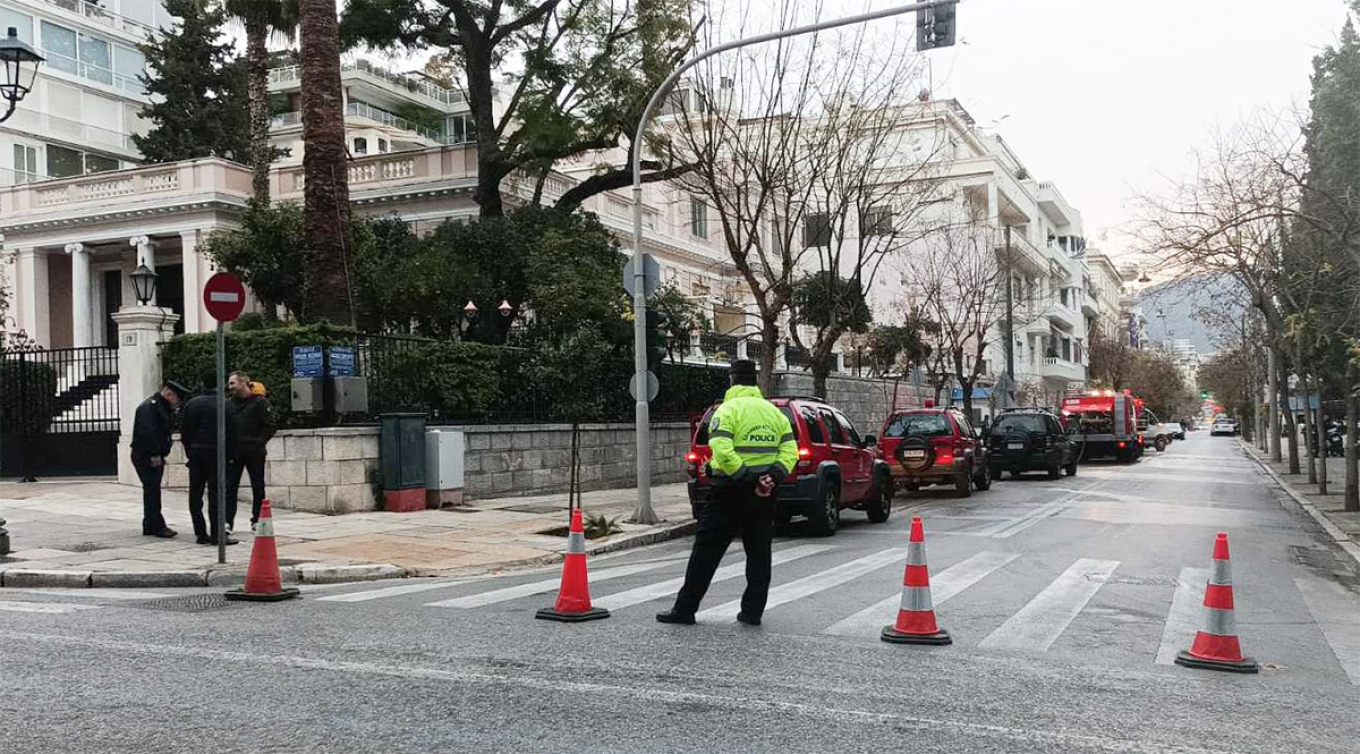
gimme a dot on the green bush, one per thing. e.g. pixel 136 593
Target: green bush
pixel 442 380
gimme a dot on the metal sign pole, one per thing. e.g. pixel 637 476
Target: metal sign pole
pixel 221 513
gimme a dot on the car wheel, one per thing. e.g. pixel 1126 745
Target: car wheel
pixel 963 484
pixel 1159 444
pixel 996 474
pixel 911 486
pixel 1071 467
pixel 827 517
pixel 1015 473
pixel 983 480
pixel 880 507
pixel 1055 470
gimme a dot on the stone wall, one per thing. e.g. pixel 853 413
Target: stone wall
pixel 865 401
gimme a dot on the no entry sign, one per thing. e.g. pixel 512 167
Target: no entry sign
pixel 224 297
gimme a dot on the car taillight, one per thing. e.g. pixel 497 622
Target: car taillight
pixel 805 458
pixel 1123 445
pixel 944 456
pixel 692 458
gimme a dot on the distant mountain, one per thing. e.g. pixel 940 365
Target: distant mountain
pixel 1184 303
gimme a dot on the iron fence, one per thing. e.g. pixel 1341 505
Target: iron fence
pixel 59 411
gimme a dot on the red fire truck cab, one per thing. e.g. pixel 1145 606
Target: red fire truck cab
pixel 1104 425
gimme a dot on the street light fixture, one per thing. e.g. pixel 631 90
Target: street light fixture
pixel 143 284
pixel 20 63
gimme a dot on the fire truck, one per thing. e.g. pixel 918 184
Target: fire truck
pixel 1105 424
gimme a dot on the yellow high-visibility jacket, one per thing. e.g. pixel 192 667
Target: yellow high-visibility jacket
pixel 750 437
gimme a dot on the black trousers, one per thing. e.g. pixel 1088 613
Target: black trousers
pixel 203 473
pixel 730 513
pixel 150 477
pixel 255 468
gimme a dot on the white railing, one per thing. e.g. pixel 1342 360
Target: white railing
pixel 284 120
pixel 365 110
pixel 74 130
pixel 291 73
pixel 93 188
pixel 97 73
pixel 383 170
pixel 102 16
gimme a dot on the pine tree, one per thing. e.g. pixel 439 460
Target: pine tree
pixel 197 87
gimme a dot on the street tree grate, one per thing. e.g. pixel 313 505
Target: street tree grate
pixel 1133 580
pixel 193 603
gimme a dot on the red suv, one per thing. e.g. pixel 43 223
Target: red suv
pixel 837 468
pixel 935 446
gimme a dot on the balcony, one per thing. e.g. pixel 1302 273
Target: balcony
pixel 95 14
pixel 1057 368
pixel 1024 255
pixel 187 182
pixel 75 132
pixel 383 173
pixel 1053 204
pixel 385 79
pixel 1063 316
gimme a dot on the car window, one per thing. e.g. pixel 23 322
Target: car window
pixel 837 436
pixel 848 427
pixel 965 426
pixel 701 436
pixel 814 427
pixel 1054 428
pixel 929 425
pixel 1021 423
pixel 793 422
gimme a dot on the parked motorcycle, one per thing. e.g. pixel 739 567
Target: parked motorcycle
pixel 1335 432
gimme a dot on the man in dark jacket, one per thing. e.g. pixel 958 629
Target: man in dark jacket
pixel 251 423
pixel 150 445
pixel 198 432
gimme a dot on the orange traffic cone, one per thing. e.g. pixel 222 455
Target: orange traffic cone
pixel 263 583
pixel 1216 646
pixel 573 598
pixel 916 617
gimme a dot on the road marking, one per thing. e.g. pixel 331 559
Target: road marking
pixel 1043 620
pixel 812 584
pixel 44 607
pixel 389 591
pixel 943 586
pixel 100 594
pixel 1337 612
pixel 1183 620
pixel 546 585
pixel 671 586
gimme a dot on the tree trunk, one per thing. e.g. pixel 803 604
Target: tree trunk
pixel 491 168
pixel 1309 446
pixel 1273 418
pixel 769 342
pixel 257 88
pixel 324 163
pixel 1352 496
pixel 822 361
pixel 1320 439
pixel 1291 429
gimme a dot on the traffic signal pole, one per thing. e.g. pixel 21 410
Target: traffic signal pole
pixel 940 33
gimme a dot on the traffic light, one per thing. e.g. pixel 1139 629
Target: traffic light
pixel 935 27
pixel 658 325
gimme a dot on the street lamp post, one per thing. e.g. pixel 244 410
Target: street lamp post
pixel 143 284
pixel 20 64
pixel 941 33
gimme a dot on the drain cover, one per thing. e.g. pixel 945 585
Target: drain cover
pixel 1133 580
pixel 84 547
pixel 193 603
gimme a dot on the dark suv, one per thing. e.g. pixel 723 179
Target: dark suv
pixel 1030 439
pixel 837 468
pixel 935 446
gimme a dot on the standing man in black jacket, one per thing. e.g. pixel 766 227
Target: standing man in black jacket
pixel 198 432
pixel 150 445
pixel 251 424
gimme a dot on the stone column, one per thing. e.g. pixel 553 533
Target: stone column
pixel 146 254
pixel 140 332
pixel 194 318
pixel 781 356
pixel 32 296
pixel 80 295
pixel 696 350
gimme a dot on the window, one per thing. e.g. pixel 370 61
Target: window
pixel 876 221
pixel 1020 423
pixel 849 428
pixel 814 427
pixel 817 229
pixel 59 43
pixel 25 163
pixel 928 425
pixel 95 163
pixel 360 145
pixel 698 218
pixel 96 59
pixel 793 423
pixel 21 23
pixel 63 162
pixel 128 64
pixel 837 436
pixel 383 146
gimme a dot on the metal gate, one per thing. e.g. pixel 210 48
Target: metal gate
pixel 59 412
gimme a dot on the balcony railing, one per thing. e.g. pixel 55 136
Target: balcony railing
pixel 189 180
pixel 103 16
pixel 73 130
pixel 97 73
pixel 428 89
pixel 365 110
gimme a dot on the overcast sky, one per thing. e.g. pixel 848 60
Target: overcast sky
pixel 1104 97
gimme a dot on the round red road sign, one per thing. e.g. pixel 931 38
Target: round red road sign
pixel 224 297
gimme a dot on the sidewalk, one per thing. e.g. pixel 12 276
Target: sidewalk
pixel 1327 510
pixel 88 533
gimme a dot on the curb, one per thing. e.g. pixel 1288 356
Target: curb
pixel 1337 535
pixel 642 539
pixel 310 573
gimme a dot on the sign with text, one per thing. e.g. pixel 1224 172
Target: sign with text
pixel 342 361
pixel 307 362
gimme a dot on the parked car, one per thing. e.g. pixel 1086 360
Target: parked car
pixel 935 446
pixel 1031 439
pixel 1175 429
pixel 1224 427
pixel 837 467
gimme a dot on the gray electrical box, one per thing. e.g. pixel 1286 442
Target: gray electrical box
pixel 308 394
pixel 351 395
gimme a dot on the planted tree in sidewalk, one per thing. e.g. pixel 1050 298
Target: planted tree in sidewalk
pixel 325 163
pixel 195 87
pixel 546 81
pixel 261 18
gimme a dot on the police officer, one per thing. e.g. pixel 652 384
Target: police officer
pixel 198 432
pixel 150 445
pixel 753 450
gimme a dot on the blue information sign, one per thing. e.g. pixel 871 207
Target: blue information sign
pixel 307 361
pixel 342 361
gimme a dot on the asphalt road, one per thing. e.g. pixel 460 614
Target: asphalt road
pixel 1066 600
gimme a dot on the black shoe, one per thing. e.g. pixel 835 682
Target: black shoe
pixel 213 541
pixel 747 620
pixel 166 533
pixel 203 539
pixel 679 619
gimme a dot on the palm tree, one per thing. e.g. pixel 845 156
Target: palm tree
pixel 325 165
pixel 261 18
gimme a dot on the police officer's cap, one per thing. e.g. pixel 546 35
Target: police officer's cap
pixel 744 372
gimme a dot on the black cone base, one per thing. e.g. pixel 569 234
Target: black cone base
pixel 1247 665
pixel 893 636
pixel 241 595
pixel 549 613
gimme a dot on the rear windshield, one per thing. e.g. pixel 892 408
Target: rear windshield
pixel 928 425
pixel 1021 423
pixel 701 436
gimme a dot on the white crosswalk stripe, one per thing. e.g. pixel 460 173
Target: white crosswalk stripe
pixel 1337 612
pixel 544 586
pixel 671 586
pixel 44 607
pixel 1183 619
pixel 388 591
pixel 943 586
pixel 94 594
pixel 810 585
pixel 1043 620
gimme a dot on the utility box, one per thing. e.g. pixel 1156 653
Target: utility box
pixel 401 457
pixel 308 394
pixel 444 454
pixel 351 395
